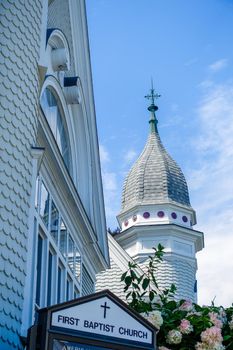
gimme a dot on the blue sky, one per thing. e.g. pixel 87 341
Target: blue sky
pixel 187 47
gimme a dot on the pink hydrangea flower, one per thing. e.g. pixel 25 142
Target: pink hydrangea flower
pixel 214 318
pixel 163 348
pixel 185 327
pixel 186 306
pixel 174 337
pixel 212 336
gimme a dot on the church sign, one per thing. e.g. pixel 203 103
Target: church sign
pixel 99 321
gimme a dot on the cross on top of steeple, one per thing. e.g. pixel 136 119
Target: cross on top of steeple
pixel 153 95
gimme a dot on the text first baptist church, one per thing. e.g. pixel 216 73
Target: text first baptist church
pixel 53 241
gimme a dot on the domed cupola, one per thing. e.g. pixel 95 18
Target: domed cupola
pixel 155 177
pixel 155 190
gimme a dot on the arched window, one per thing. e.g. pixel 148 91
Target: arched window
pixel 54 115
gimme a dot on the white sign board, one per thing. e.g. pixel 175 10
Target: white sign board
pixel 103 317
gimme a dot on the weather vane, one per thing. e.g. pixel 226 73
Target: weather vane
pixel 153 95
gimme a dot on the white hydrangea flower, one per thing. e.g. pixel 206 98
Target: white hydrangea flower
pixel 174 337
pixel 155 318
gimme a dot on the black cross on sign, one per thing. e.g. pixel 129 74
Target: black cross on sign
pixel 105 308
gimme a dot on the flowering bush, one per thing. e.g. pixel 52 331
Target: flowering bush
pixel 182 325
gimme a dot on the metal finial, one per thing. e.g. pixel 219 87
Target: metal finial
pixel 153 95
pixel 153 108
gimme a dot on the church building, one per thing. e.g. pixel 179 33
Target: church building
pixel 53 233
pixel 155 209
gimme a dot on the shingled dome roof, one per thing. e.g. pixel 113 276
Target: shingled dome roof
pixel 155 178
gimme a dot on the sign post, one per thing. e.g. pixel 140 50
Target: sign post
pixel 99 321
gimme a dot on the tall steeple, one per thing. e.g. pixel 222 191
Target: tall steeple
pixel 155 178
pixel 156 209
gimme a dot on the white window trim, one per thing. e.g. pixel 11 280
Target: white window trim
pixel 52 83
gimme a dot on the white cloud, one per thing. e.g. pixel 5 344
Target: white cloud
pixel 215 271
pixel 218 65
pixel 216 113
pixel 130 156
pixel 212 186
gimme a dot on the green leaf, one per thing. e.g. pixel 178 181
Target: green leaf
pixel 133 274
pixel 151 295
pixel 226 337
pixel 171 305
pixel 123 276
pixel 145 283
pixel 128 280
pixel 160 247
pixel 173 288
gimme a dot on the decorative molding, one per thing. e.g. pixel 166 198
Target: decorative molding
pixel 134 233
pixel 37 153
pixel 60 52
pixel 167 207
pixel 72 90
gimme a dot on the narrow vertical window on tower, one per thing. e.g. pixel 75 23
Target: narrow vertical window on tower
pixel 59 272
pixel 58 258
pixel 69 288
pixel 50 278
pixel 39 269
